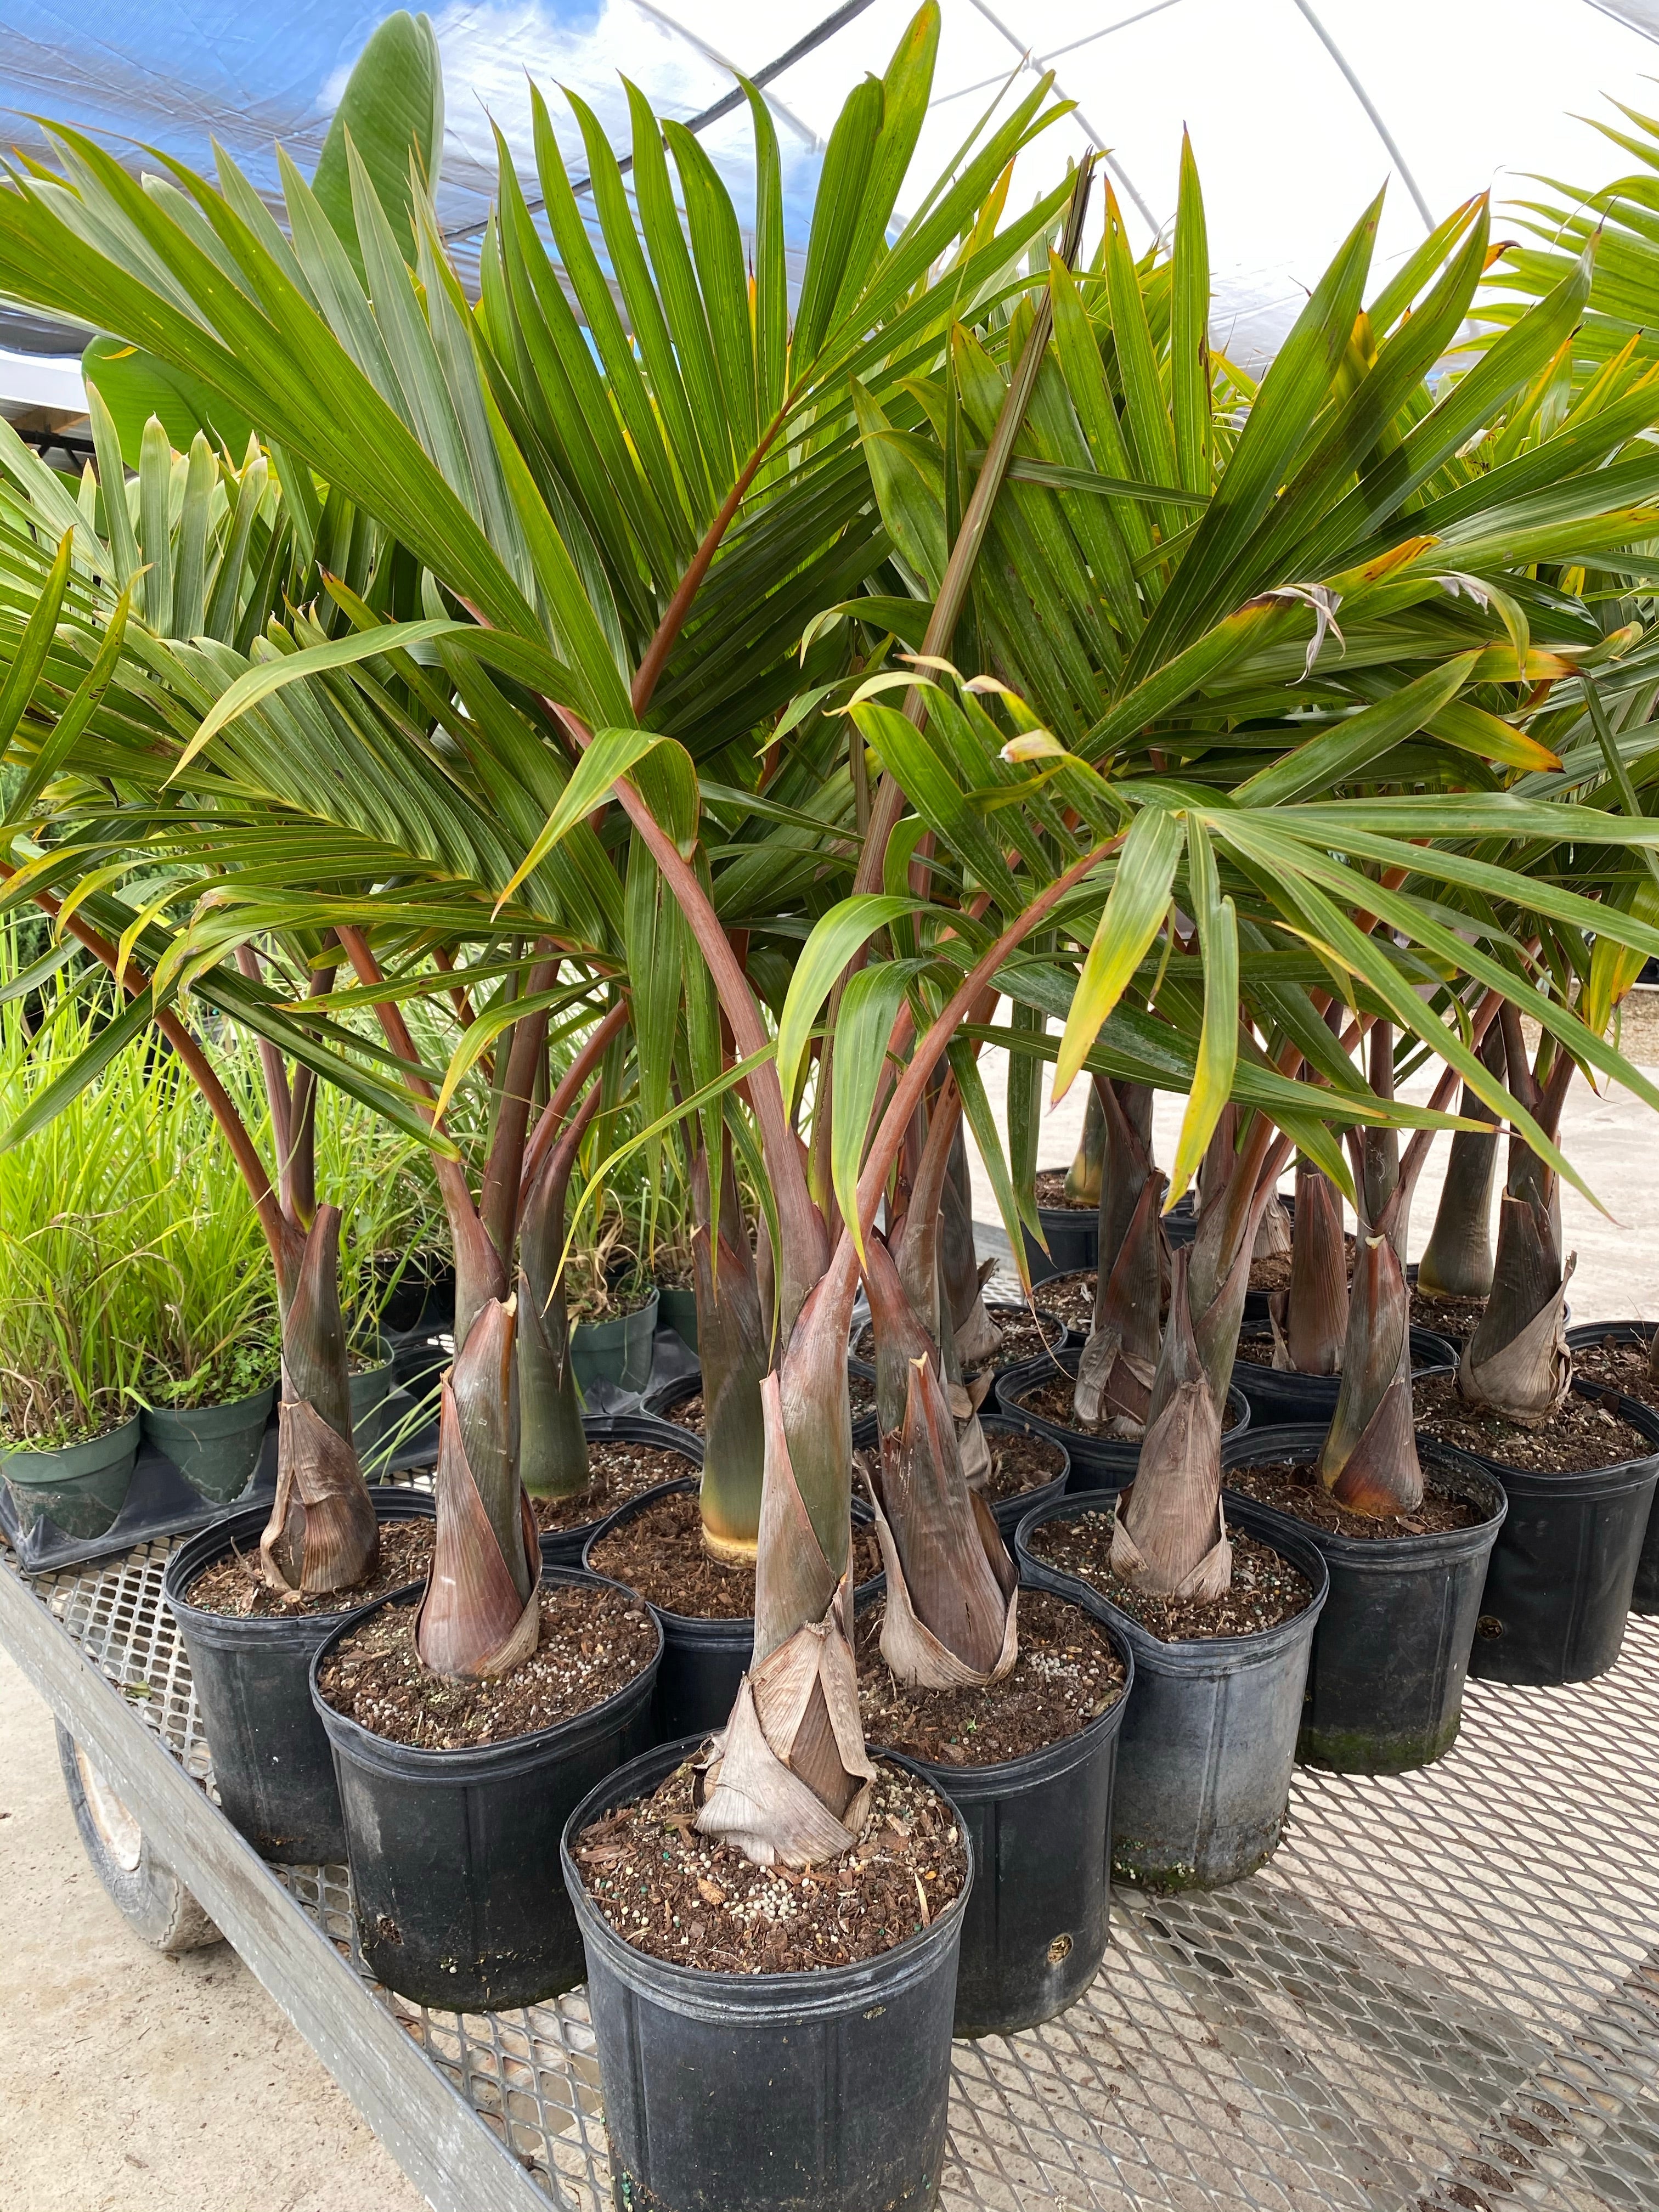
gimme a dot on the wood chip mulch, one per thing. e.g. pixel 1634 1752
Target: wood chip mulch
pixel 236 1585
pixel 1297 1489
pixel 660 1553
pixel 686 1412
pixel 1065 1676
pixel 682 1898
pixel 618 1471
pixel 1266 1589
pixel 593 1643
pixel 1581 1435
pixel 1018 1463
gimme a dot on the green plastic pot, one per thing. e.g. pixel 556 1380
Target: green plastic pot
pixel 369 1392
pixel 215 1448
pixel 81 1487
pixel 616 1352
pixel 677 1310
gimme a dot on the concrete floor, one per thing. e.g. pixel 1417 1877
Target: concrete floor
pixel 136 2083
pixel 141 2084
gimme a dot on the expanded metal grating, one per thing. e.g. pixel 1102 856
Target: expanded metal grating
pixel 1443 1992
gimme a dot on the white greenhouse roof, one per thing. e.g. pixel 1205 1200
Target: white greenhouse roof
pixel 1298 110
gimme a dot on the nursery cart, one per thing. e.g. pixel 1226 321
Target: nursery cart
pixel 1444 1992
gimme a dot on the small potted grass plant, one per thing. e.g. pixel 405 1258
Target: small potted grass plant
pixel 612 1303
pixel 71 1342
pixel 81 1237
pixel 213 1341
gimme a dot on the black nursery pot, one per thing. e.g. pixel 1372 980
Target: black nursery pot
pixel 1073 1234
pixel 1391 1652
pixel 703 1661
pixel 564 1547
pixel 1009 1512
pixel 1278 1398
pixel 1052 1324
pixel 1041 1827
pixel 424 1297
pixel 819 2091
pixel 1098 1462
pixel 1559 1581
pixel 271 1763
pixel 454 1854
pixel 1645 1591
pixel 1209 1738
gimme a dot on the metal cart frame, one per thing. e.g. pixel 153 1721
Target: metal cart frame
pixel 1442 1993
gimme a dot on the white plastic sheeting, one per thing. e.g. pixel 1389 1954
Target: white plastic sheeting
pixel 1298 110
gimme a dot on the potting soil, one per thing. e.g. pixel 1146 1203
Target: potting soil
pixel 1024 1337
pixel 593 1643
pixel 660 1553
pixel 1052 1401
pixel 684 1898
pixel 618 1471
pixel 687 1413
pixel 1072 1297
pixel 1457 1318
pixel 1297 1489
pixel 1065 1676
pixel 1018 1463
pixel 1266 1589
pixel 236 1585
pixel 1051 1191
pixel 1622 1367
pixel 1581 1435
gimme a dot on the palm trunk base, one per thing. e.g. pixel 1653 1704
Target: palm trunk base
pixel 1518 1361
pixel 730 1551
pixel 474 1619
pixel 553 1458
pixel 1309 1318
pixel 1169 1538
pixel 322 1534
pixel 789 1777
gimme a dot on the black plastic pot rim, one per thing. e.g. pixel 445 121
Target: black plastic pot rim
pixel 635 1429
pixel 1004 1424
pixel 1300 1442
pixel 1423 1363
pixel 211 1543
pixel 1580 1482
pixel 1013 1379
pixel 1637 1333
pixel 967 1785
pixel 692 1627
pixel 812 1993
pixel 644 1428
pixel 1196 1657
pixel 210 1406
pixel 866 1368
pixel 467 1764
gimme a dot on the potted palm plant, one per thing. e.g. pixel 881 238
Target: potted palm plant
pixel 517 670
